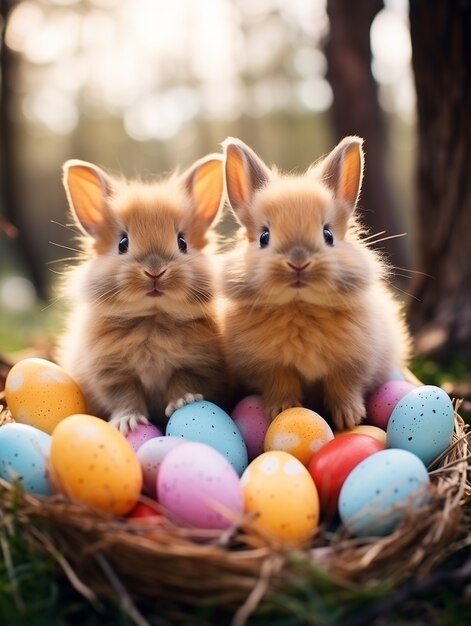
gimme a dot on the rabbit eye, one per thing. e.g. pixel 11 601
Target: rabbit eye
pixel 264 238
pixel 328 236
pixel 123 243
pixel 182 245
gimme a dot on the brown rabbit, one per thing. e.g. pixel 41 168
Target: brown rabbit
pixel 307 306
pixel 141 339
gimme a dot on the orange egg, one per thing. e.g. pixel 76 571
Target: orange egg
pixel 91 462
pixel 279 490
pixel 299 431
pixel 366 429
pixel 41 394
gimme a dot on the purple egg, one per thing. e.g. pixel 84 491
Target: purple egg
pixel 199 487
pixel 143 433
pixel 150 455
pixel 249 415
pixel 381 403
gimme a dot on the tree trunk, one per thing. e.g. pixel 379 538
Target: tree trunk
pixel 356 110
pixel 16 223
pixel 440 314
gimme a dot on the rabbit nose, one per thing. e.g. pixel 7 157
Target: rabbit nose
pixel 297 267
pixel 154 273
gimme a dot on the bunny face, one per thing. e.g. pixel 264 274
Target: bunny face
pixel 301 245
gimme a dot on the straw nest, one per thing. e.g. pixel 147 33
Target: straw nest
pixel 176 570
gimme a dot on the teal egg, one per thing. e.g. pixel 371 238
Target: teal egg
pixel 24 456
pixel 422 422
pixel 206 423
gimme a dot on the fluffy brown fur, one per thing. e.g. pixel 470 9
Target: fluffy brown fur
pixel 142 337
pixel 303 311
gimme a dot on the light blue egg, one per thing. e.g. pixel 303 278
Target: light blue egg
pixel 207 423
pixel 381 490
pixel 24 455
pixel 422 422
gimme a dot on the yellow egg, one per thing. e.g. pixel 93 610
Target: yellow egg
pixel 299 431
pixel 91 462
pixel 40 393
pixel 366 429
pixel 279 490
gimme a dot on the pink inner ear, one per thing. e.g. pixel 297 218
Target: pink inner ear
pixel 86 195
pixel 350 178
pixel 236 175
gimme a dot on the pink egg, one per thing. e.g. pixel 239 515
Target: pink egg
pixel 150 455
pixel 249 415
pixel 199 487
pixel 381 403
pixel 143 433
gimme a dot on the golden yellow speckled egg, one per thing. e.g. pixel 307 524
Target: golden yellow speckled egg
pixel 366 429
pixel 91 462
pixel 279 490
pixel 299 431
pixel 40 393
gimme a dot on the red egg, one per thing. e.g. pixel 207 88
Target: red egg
pixel 146 514
pixel 330 466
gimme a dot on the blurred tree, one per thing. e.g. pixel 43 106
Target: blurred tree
pixel 15 221
pixel 356 110
pixel 440 314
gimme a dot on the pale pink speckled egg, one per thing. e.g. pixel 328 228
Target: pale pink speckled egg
pixel 150 455
pixel 381 403
pixel 143 433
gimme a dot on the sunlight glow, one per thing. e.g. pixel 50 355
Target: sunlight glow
pixel 158 64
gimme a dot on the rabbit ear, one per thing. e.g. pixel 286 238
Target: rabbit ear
pixel 87 188
pixel 245 173
pixel 203 182
pixel 342 171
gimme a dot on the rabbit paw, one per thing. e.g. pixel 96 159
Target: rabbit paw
pixel 273 409
pixel 124 422
pixel 188 398
pixel 348 414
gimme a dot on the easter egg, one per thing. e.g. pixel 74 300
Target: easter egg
pixel 199 487
pixel 281 494
pixel 91 462
pixel 24 455
pixel 298 431
pixel 381 403
pixel 207 423
pixel 381 490
pixel 143 433
pixel 40 393
pixel 150 456
pixel 422 422
pixel 249 415
pixel 366 429
pixel 333 463
pixel 145 515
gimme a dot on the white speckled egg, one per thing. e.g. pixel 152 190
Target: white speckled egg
pixel 207 423
pixel 422 422
pixel 150 455
pixel 24 454
pixel 380 490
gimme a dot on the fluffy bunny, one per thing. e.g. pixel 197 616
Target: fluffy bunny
pixel 142 338
pixel 307 309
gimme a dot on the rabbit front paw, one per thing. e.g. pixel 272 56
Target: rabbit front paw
pixel 188 398
pixel 274 408
pixel 347 415
pixel 124 422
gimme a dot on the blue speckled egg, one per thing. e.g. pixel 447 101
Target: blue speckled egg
pixel 24 454
pixel 422 422
pixel 380 490
pixel 206 423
